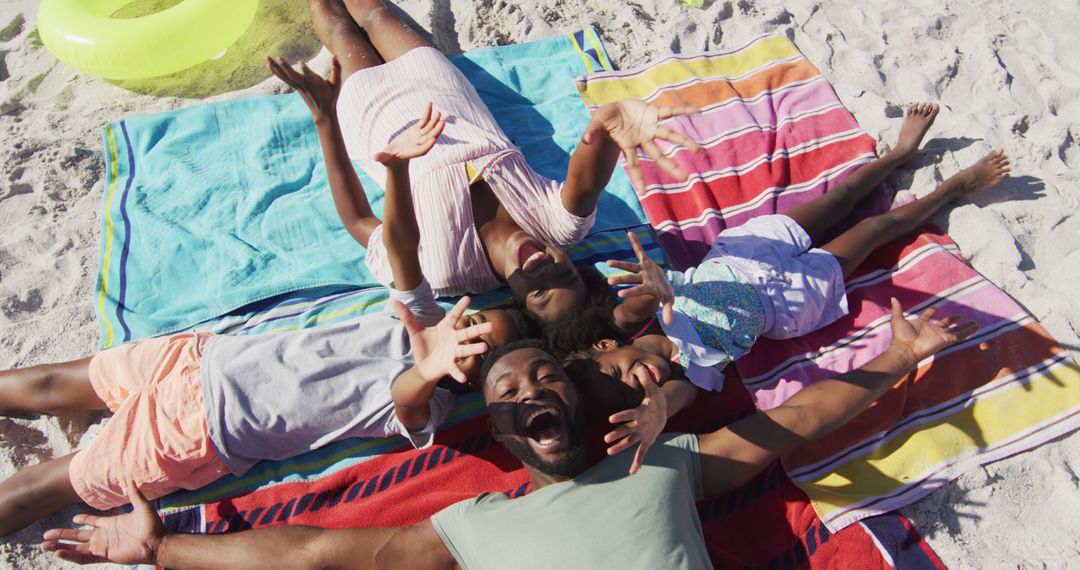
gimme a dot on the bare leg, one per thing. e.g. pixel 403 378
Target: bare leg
pixel 337 31
pixel 851 247
pixel 389 34
pixel 34 493
pixel 49 388
pixel 817 217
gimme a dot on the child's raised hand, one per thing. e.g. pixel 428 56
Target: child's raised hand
pixel 922 337
pixel 633 124
pixel 437 349
pixel 415 141
pixel 648 277
pixel 320 94
pixel 640 425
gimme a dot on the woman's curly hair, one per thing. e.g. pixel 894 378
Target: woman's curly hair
pixel 592 321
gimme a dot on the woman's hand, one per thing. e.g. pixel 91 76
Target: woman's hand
pixel 319 93
pixel 633 124
pixel 414 141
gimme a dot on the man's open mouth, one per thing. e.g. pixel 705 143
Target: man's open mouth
pixel 546 427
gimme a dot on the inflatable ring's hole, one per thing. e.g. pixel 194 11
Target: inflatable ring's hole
pixel 140 8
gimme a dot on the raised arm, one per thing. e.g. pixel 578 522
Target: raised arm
pixel 400 234
pixel 321 96
pixel 623 126
pixel 139 537
pixel 436 353
pixel 735 454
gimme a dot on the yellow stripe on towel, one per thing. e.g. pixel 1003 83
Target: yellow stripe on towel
pixel 1021 409
pixel 601 90
pixel 114 173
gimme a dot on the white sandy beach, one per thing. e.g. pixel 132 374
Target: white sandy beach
pixel 1006 73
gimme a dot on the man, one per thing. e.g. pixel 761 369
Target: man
pixel 580 514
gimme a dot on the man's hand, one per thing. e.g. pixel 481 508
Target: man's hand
pixel 320 94
pixel 130 538
pixel 414 141
pixel 648 277
pixel 640 425
pixel 437 349
pixel 923 337
pixel 632 124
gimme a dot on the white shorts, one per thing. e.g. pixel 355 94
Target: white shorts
pixel 801 288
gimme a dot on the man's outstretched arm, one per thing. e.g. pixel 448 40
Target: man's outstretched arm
pixel 139 537
pixel 735 454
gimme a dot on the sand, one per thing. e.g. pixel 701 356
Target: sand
pixel 1007 74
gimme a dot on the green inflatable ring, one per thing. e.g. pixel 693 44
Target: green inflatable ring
pixel 84 34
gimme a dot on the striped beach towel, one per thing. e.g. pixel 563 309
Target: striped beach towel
pixel 775 136
pixel 379 482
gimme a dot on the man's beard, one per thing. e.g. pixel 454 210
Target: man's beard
pixel 571 464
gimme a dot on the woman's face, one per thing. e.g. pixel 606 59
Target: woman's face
pixel 544 280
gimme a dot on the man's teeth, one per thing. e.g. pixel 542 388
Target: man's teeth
pixel 533 259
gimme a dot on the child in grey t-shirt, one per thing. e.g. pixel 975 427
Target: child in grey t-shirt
pixel 189 408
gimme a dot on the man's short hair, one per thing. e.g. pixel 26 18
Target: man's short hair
pixel 507 349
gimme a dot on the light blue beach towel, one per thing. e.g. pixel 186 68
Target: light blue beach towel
pixel 213 208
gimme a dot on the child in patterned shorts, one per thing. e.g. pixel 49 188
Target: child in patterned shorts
pixel 764 278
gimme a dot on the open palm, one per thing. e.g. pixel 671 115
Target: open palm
pixel 438 349
pixel 924 336
pixel 633 124
pixel 130 538
pixel 414 141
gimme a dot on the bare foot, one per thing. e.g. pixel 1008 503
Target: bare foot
pixel 917 121
pixel 989 170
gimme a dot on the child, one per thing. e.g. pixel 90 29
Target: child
pixel 563 320
pixel 486 218
pixel 189 408
pixel 763 278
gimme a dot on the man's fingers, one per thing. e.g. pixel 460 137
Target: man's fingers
pixel 77 556
pixel 965 330
pixel 623 416
pixel 74 534
pixel 928 314
pixel 623 444
pixel 897 311
pixel 89 520
pixel 619 432
pixel 639 457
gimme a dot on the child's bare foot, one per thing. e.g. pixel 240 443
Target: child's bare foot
pixel 917 121
pixel 988 171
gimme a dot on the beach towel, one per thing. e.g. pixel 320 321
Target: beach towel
pixel 374 482
pixel 385 482
pixel 775 136
pixel 211 208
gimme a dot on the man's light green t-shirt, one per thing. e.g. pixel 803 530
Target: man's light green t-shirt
pixel 604 518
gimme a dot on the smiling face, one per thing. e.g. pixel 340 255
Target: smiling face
pixel 503 332
pixel 536 412
pixel 543 278
pixel 610 377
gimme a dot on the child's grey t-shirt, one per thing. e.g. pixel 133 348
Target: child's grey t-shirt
pixel 275 396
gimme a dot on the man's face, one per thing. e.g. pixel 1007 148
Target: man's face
pixel 536 412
